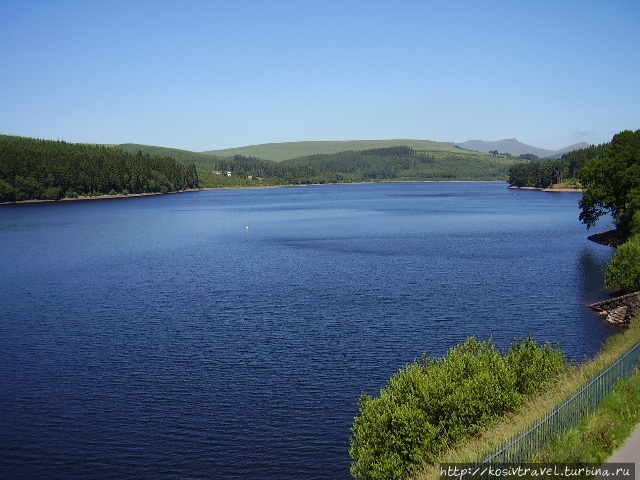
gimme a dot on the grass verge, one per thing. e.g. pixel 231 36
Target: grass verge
pixel 598 435
pixel 511 425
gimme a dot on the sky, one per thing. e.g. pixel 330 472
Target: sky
pixel 206 75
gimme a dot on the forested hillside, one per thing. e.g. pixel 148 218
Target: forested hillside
pixel 279 152
pixel 539 173
pixel 32 169
pixel 378 164
pixel 405 163
pixel 241 171
pixel 45 169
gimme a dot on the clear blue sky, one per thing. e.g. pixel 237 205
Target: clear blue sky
pixel 202 75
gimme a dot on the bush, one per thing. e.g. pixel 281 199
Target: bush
pixel 533 366
pixel 429 405
pixel 623 270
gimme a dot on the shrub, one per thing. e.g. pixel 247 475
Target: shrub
pixel 623 270
pixel 427 406
pixel 533 366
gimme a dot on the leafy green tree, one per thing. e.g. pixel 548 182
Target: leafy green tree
pixel 542 173
pixel 7 191
pixel 612 182
pixel 53 193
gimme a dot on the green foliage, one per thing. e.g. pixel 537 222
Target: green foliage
pixel 634 224
pixel 536 174
pixel 42 169
pixel 533 366
pixel 623 270
pixel 405 163
pixel 245 171
pixel 279 152
pixel 378 164
pixel 597 436
pixel 539 173
pixel 612 182
pixel 429 405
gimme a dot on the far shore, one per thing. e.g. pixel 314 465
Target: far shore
pixel 561 189
pixel 131 195
pixel 99 197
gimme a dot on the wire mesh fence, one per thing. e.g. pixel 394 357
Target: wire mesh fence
pixel 566 415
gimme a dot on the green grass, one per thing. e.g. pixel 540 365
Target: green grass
pixel 598 435
pixel 483 445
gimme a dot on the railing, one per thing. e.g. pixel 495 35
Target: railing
pixel 567 415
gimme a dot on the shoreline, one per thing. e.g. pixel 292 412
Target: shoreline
pixel 98 197
pixel 130 195
pixel 570 190
pixel 204 189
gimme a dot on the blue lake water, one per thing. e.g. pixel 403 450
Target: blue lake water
pixel 228 334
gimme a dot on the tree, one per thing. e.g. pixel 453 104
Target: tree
pixel 45 169
pixel 612 182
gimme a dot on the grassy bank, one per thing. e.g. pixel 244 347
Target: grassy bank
pixel 511 425
pixel 599 435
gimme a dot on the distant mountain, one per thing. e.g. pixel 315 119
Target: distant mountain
pixel 513 147
pixel 570 148
pixel 289 150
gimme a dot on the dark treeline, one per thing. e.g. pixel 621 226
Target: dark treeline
pixel 272 173
pixel 32 169
pixel 374 164
pixel 540 173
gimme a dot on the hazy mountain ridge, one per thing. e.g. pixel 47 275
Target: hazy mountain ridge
pixel 513 147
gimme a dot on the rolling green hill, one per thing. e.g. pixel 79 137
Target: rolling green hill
pixel 245 171
pixel 348 161
pixel 344 161
pixel 180 155
pixel 406 163
pixel 278 152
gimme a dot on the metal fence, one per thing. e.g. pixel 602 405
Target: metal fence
pixel 567 415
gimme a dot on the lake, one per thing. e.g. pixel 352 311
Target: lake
pixel 228 334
